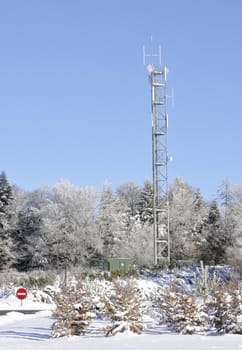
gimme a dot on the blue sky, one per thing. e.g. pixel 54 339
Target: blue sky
pixel 75 98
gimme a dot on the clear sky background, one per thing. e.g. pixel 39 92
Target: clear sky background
pixel 75 98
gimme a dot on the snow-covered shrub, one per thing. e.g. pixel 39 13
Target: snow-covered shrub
pixel 36 280
pixel 7 282
pixel 72 311
pixel 181 311
pixel 225 308
pixel 97 288
pixel 44 296
pixel 124 306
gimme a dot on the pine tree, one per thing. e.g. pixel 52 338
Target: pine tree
pixel 26 239
pixel 198 219
pixel 214 250
pixel 6 198
pixel 109 223
pixel 225 193
pixel 145 203
pixel 225 308
pixel 234 250
pixel 124 307
pixel 72 311
pixel 181 311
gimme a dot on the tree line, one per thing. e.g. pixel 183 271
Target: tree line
pixel 65 225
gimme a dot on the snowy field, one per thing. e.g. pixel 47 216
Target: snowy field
pixel 25 332
pixel 33 331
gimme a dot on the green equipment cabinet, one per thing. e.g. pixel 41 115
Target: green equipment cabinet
pixel 118 264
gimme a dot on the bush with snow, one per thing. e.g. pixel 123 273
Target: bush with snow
pixel 181 312
pixel 72 311
pixel 124 306
pixel 44 296
pixel 155 297
pixel 225 308
pixel 97 288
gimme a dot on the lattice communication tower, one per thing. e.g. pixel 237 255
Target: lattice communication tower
pixel 158 78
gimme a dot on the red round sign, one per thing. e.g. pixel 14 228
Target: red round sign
pixel 21 293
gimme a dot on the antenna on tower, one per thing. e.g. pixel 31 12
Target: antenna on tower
pixel 158 80
pixel 172 97
pixel 152 55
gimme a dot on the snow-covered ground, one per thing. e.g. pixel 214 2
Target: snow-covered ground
pixel 33 331
pixel 28 332
pixel 10 302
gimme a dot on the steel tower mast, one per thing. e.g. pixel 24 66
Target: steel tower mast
pixel 159 116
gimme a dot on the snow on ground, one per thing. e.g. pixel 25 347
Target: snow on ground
pixel 33 331
pixel 11 303
pixel 28 332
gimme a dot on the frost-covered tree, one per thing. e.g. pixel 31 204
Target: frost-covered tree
pixel 136 242
pixel 6 198
pixel 129 195
pixel 135 239
pixel 122 231
pixel 142 244
pixel 226 193
pixel 69 225
pixel 110 223
pixel 25 234
pixel 187 213
pixel 6 195
pixel 234 249
pixel 54 226
pixel 29 246
pixel 230 196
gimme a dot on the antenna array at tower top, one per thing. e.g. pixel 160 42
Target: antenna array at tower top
pixel 152 54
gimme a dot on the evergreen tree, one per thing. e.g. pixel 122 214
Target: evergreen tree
pixel 225 308
pixel 27 242
pixel 6 195
pixel 6 198
pixel 226 193
pixel 216 242
pixel 181 311
pixel 110 223
pixel 72 311
pixel 29 246
pixel 145 203
pixel 234 249
pixel 124 306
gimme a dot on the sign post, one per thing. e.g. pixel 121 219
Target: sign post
pixel 21 294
